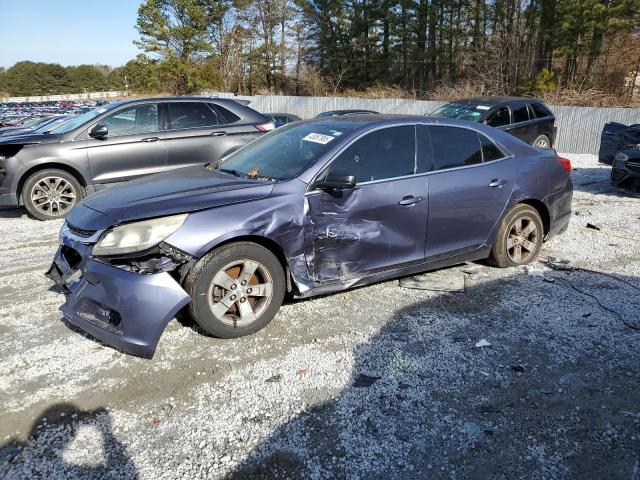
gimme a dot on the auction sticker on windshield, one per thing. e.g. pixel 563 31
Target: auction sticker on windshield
pixel 318 138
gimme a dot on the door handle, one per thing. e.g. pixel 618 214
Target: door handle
pixel 409 200
pixel 497 183
pixel 218 134
pixel 150 139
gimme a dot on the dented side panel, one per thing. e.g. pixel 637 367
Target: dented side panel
pixel 351 233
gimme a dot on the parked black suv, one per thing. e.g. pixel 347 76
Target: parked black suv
pixel 49 173
pixel 526 118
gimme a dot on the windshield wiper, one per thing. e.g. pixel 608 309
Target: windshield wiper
pixel 235 173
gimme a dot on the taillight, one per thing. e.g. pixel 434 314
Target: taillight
pixel 566 163
pixel 555 123
pixel 266 127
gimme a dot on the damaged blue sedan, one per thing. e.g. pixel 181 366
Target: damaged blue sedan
pixel 311 208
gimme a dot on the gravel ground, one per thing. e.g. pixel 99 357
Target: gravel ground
pixel 378 382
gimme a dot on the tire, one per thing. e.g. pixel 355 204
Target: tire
pixel 542 141
pixel 505 246
pixel 222 304
pixel 51 194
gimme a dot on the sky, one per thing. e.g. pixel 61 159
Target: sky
pixel 68 32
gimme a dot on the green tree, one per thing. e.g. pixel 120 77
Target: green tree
pixel 177 34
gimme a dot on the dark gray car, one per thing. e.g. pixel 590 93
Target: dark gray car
pixel 49 173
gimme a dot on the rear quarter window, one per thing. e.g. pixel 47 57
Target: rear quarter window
pixel 540 111
pixel 225 115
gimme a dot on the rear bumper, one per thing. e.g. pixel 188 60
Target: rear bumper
pixel 626 173
pixel 559 206
pixel 126 310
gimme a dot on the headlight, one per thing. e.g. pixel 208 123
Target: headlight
pixel 137 236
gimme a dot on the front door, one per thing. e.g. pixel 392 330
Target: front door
pixel 469 188
pixel 133 147
pixel 381 223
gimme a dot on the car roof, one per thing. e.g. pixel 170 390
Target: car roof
pixel 493 101
pixel 357 121
pixel 173 99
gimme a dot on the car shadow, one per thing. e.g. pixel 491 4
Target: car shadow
pixel 14 212
pixel 425 401
pixel 49 450
pixel 598 182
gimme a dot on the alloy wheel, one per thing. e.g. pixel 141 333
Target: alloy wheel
pixel 522 240
pixel 240 292
pixel 53 196
pixel 541 142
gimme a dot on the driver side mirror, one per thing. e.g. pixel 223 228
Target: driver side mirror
pixel 335 181
pixel 99 132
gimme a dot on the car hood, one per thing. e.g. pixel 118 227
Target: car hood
pixel 177 191
pixel 25 138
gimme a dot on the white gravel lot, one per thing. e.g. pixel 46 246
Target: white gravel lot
pixel 378 382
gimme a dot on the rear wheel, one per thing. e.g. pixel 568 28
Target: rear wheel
pixel 50 194
pixel 519 238
pixel 236 290
pixel 542 142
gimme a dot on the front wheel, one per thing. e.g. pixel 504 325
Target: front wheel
pixel 236 290
pixel 50 194
pixel 519 239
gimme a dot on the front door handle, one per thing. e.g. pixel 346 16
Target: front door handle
pixel 150 139
pixel 409 200
pixel 497 182
pixel 218 134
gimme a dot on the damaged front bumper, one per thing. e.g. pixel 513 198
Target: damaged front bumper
pixel 124 309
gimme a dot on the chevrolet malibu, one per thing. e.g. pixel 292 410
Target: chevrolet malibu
pixel 311 208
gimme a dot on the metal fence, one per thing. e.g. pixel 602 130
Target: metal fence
pixel 579 128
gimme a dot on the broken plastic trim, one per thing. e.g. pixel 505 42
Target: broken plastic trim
pixel 161 258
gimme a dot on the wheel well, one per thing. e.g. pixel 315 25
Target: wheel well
pixel 46 166
pixel 543 211
pixel 270 245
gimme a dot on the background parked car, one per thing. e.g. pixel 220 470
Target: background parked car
pixel 616 137
pixel 526 118
pixel 282 119
pixel 49 172
pixel 335 113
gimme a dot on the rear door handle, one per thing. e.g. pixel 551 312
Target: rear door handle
pixel 409 200
pixel 497 183
pixel 218 134
pixel 150 139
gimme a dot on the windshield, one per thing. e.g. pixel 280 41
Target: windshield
pixel 460 111
pixel 79 120
pixel 285 153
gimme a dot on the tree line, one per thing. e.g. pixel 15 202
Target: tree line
pixel 418 48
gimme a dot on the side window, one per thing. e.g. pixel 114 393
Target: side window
pixel 540 110
pixel 490 150
pixel 454 147
pixel 499 118
pixel 191 115
pixel 520 114
pixel 133 120
pixel 225 115
pixel 378 155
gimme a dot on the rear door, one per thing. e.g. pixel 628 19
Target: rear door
pixel 200 132
pixel 134 146
pixel 470 183
pixel 522 126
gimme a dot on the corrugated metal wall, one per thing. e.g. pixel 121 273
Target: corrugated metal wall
pixel 579 128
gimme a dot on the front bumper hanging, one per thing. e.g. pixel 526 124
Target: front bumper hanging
pixel 126 310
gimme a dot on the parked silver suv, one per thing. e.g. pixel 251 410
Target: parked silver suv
pixel 50 172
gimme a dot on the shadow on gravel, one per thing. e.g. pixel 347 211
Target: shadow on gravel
pixel 598 182
pixel 12 212
pixel 555 395
pixel 47 452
